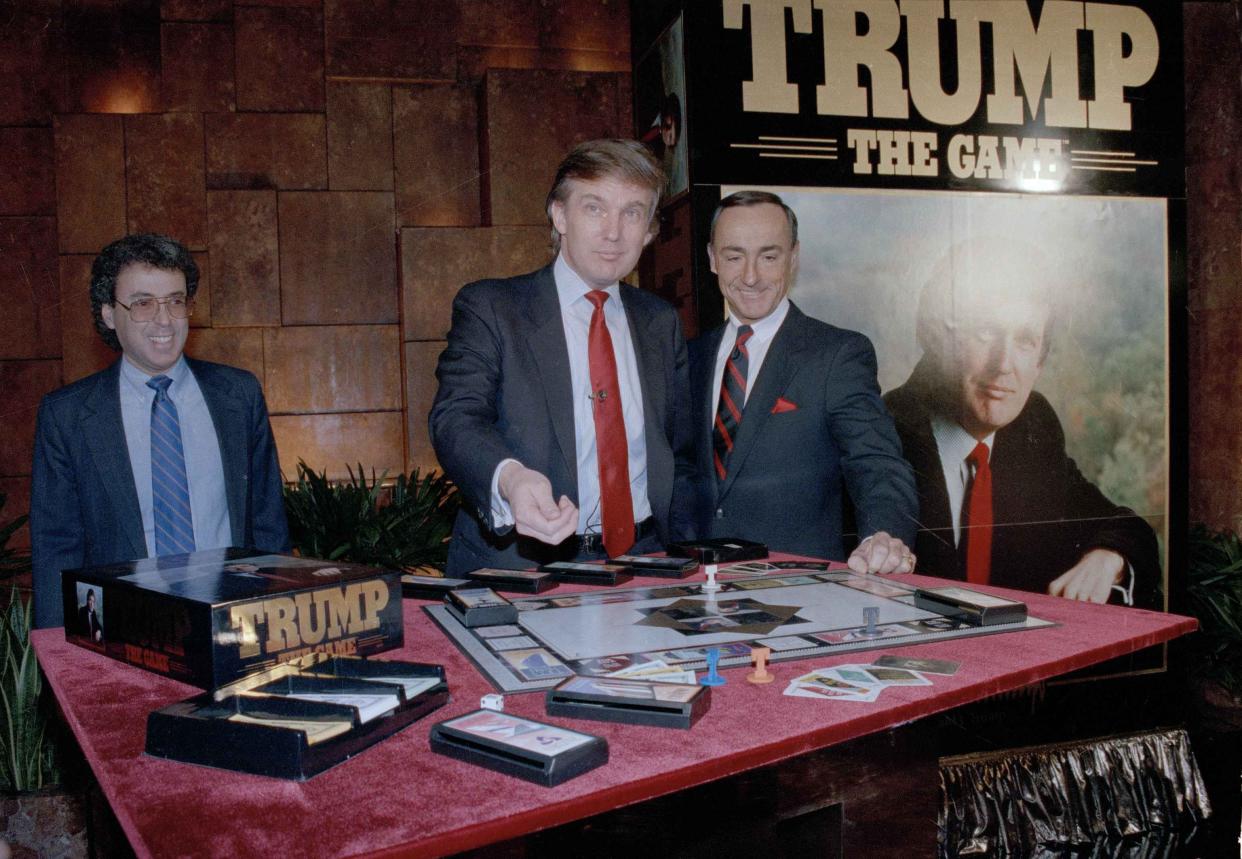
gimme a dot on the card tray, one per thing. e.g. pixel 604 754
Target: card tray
pixel 521 581
pixel 977 609
pixel 547 770
pixel 598 574
pixel 201 729
pixel 494 610
pixel 721 550
pixel 431 587
pixel 660 568
pixel 565 700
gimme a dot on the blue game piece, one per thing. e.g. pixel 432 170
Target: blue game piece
pixel 713 678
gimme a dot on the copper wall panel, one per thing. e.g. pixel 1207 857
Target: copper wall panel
pixel 164 176
pixel 473 61
pixel 339 442
pixel 435 263
pixel 237 347
pixel 202 295
pixel 360 137
pixel 90 181
pixel 279 58
pixel 436 145
pixel 17 503
pixel 583 25
pixel 395 39
pixel 29 289
pixel 82 350
pixel 27 172
pixel 532 119
pixel 24 383
pixel 420 392
pixel 241 230
pixel 109 60
pixel 197 65
pixel 29 43
pixel 272 150
pixel 337 258
pixel 345 368
pixel 196 10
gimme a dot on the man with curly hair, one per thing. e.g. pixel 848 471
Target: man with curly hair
pixel 158 454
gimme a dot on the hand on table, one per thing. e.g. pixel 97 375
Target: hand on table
pixel 881 553
pixel 535 514
pixel 1092 578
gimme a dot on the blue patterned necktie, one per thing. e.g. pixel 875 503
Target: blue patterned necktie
pixel 170 491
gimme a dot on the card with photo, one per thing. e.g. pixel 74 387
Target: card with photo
pixel 520 733
pixel 536 664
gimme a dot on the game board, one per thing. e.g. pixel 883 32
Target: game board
pixel 798 615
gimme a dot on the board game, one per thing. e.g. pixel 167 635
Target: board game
pixel 798 614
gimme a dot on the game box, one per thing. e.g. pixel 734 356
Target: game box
pixel 662 568
pixel 970 606
pixel 480 607
pixel 588 574
pixel 638 702
pixel 431 587
pixel 534 751
pixel 212 617
pixel 299 718
pixel 523 581
pixel 722 550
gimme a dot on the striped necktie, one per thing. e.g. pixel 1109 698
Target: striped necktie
pixel 732 401
pixel 170 490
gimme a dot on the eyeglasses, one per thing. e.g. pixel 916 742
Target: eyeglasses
pixel 146 309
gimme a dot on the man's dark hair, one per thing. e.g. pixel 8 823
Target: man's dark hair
pixel 624 160
pixel 754 198
pixel 148 249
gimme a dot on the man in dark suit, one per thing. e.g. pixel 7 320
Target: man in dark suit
pixel 1001 500
pixel 787 411
pixel 559 413
pixel 157 454
pixel 88 619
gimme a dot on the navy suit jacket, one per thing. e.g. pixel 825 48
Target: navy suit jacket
pixel 505 392
pixel 1048 515
pixel 790 468
pixel 83 503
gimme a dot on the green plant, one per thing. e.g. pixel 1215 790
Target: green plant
pixel 405 525
pixel 26 752
pixel 12 561
pixel 1214 592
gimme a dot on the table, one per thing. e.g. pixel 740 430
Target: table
pixel 400 799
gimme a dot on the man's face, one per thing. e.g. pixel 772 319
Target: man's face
pixel 996 359
pixel 90 601
pixel 754 258
pixel 604 225
pixel 153 347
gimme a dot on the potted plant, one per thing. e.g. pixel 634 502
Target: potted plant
pixel 404 525
pixel 35 810
pixel 1214 596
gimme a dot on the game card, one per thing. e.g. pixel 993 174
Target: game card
pixel 524 734
pixel 501 631
pixel 536 664
pixel 512 643
pixel 925 666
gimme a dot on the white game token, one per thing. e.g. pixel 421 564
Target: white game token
pixel 493 702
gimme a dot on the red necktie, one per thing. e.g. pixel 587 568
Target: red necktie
pixel 732 401
pixel 979 518
pixel 615 505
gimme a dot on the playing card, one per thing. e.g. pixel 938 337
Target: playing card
pixel 926 666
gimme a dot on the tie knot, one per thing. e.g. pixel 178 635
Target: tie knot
pixel 979 456
pixel 597 297
pixel 744 333
pixel 159 384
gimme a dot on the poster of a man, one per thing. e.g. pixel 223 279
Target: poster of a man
pixel 90 614
pixel 1034 324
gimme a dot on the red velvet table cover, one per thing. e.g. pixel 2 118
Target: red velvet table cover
pixel 400 799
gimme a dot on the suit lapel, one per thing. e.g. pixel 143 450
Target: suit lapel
pixel 547 344
pixel 104 432
pixel 228 416
pixel 646 350
pixel 779 368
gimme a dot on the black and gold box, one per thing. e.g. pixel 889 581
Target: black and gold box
pixel 213 617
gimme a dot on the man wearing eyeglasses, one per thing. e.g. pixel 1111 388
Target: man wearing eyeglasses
pixel 158 454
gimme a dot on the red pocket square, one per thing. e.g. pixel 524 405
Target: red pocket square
pixel 784 405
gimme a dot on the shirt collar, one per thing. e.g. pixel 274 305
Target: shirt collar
pixel 570 287
pixel 765 329
pixel 138 379
pixel 953 442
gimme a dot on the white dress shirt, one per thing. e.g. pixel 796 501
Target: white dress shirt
pixel 576 312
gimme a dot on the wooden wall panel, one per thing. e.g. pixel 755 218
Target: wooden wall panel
pixel 27 172
pixel 29 289
pixel 24 383
pixel 333 442
pixel 360 143
pixel 82 350
pixel 279 58
pixel 164 179
pixel 436 262
pixel 420 392
pixel 337 258
pixel 238 347
pixel 242 235
pixel 197 66
pixel 332 368
pixel 266 150
pixel 90 181
pixel 436 147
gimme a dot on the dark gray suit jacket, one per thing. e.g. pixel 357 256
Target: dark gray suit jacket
pixel 791 467
pixel 83 503
pixel 505 392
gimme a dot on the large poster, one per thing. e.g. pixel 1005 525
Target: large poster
pixel 1025 155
